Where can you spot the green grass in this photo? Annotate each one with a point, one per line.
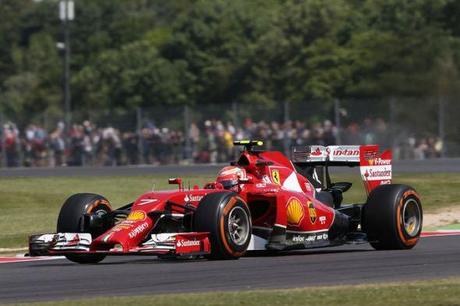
(31, 205)
(440, 292)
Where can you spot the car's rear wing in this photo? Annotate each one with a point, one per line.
(321, 155)
(375, 168)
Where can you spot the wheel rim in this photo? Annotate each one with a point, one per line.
(238, 225)
(411, 217)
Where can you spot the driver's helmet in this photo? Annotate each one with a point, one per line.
(230, 175)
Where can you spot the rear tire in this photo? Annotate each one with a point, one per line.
(393, 217)
(70, 220)
(227, 219)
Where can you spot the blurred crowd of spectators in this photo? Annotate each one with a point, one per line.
(209, 142)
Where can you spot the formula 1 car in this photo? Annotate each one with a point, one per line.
(263, 201)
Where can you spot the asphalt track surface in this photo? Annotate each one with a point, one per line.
(442, 165)
(432, 258)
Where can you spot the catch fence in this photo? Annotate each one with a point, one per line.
(414, 128)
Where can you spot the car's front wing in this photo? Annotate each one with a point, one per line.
(192, 243)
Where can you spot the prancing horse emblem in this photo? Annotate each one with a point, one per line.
(276, 177)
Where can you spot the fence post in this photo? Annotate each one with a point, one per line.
(338, 125)
(188, 144)
(140, 143)
(286, 142)
(442, 124)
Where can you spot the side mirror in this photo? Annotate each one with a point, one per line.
(175, 181)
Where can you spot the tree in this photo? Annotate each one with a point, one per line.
(302, 56)
(36, 85)
(135, 75)
(217, 40)
(396, 49)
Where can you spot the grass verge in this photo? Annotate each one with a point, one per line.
(31, 205)
(439, 292)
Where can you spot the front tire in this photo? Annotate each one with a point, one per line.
(71, 218)
(393, 217)
(227, 219)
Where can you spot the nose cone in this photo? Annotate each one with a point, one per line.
(128, 233)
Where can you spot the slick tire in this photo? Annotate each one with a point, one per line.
(393, 217)
(71, 218)
(227, 219)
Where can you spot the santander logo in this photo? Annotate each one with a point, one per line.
(188, 243)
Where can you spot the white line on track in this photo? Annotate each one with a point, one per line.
(27, 259)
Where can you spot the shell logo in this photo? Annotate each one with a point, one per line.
(137, 215)
(295, 211)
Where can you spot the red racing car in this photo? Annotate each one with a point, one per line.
(263, 201)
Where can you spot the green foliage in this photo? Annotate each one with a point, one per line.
(135, 75)
(397, 47)
(127, 54)
(36, 84)
(217, 39)
(301, 57)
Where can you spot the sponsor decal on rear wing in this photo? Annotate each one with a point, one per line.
(348, 155)
(375, 168)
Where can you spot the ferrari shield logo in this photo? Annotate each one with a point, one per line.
(276, 177)
(312, 212)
